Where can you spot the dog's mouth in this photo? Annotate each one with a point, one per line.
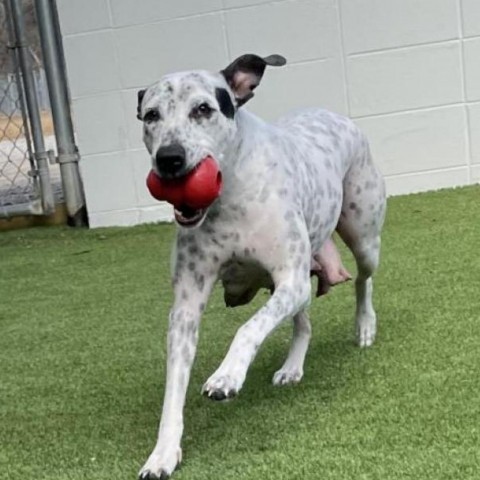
(192, 194)
(187, 216)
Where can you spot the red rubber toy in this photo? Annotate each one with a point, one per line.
(198, 189)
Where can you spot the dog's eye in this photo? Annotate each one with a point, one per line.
(204, 110)
(151, 116)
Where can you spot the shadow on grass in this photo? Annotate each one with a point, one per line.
(250, 416)
(335, 368)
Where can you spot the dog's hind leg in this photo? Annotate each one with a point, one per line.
(292, 370)
(360, 224)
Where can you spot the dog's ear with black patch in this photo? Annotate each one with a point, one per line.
(225, 102)
(245, 73)
(140, 95)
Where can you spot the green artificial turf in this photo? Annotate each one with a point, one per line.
(83, 318)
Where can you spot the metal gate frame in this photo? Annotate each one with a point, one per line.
(45, 205)
(68, 155)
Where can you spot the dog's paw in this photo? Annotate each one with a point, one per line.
(221, 387)
(161, 464)
(287, 376)
(366, 331)
(148, 475)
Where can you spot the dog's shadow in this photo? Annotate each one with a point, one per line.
(335, 368)
(327, 368)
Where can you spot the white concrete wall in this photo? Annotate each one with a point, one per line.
(408, 71)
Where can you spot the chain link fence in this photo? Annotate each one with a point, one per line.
(35, 117)
(17, 184)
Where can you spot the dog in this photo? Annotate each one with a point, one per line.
(287, 187)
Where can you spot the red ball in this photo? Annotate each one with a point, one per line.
(203, 185)
(161, 189)
(198, 189)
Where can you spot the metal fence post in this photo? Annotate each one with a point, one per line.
(68, 155)
(41, 156)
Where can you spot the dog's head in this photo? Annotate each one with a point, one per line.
(189, 116)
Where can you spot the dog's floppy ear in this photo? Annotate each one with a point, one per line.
(244, 74)
(140, 95)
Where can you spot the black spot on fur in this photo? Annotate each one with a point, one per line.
(140, 95)
(182, 241)
(225, 102)
(186, 353)
(200, 280)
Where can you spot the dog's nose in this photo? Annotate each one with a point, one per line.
(170, 159)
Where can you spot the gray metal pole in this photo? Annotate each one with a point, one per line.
(41, 156)
(68, 155)
(21, 98)
(22, 209)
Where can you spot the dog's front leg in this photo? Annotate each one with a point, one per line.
(292, 294)
(193, 281)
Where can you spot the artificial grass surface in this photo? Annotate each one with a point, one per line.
(83, 318)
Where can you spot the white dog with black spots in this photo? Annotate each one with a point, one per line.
(287, 187)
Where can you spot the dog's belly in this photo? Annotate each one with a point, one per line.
(242, 280)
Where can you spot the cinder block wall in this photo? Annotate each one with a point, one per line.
(408, 72)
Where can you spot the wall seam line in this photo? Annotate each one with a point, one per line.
(119, 91)
(468, 146)
(400, 48)
(225, 34)
(408, 111)
(343, 58)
